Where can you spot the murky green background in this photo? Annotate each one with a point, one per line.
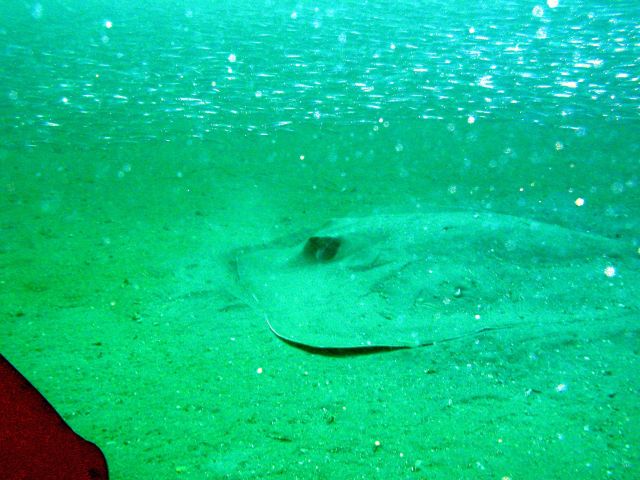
(139, 141)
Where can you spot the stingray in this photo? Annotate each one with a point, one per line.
(392, 282)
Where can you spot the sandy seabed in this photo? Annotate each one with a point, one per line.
(118, 302)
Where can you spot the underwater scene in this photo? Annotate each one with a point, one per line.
(323, 240)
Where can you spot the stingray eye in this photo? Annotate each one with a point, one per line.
(321, 249)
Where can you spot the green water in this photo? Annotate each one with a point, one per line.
(140, 142)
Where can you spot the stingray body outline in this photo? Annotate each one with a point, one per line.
(384, 283)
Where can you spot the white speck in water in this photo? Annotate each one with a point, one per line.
(485, 81)
(36, 11)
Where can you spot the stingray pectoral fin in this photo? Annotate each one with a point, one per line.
(339, 351)
(344, 351)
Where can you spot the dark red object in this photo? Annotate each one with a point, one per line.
(35, 442)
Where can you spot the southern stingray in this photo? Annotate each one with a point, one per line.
(390, 282)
